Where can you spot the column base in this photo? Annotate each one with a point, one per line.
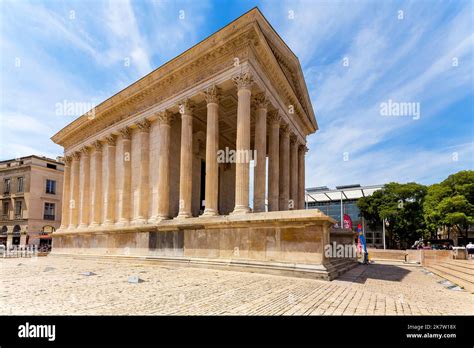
(71, 227)
(122, 223)
(139, 221)
(241, 209)
(157, 219)
(184, 215)
(209, 213)
(108, 224)
(82, 226)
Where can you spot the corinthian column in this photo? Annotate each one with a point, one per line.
(301, 177)
(74, 198)
(259, 181)
(293, 173)
(243, 82)
(143, 182)
(274, 161)
(109, 184)
(212, 146)
(284, 168)
(164, 120)
(96, 185)
(125, 177)
(84, 186)
(66, 193)
(186, 162)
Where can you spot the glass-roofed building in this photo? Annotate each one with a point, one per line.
(344, 199)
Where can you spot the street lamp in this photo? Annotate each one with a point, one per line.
(384, 223)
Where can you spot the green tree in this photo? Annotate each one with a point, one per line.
(401, 205)
(450, 203)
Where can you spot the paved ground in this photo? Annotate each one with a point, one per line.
(55, 285)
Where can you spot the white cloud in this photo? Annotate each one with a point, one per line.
(388, 59)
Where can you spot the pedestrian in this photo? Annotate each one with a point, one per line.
(470, 250)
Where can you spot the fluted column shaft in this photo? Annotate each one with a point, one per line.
(143, 138)
(109, 184)
(84, 186)
(186, 161)
(66, 193)
(284, 168)
(259, 181)
(96, 185)
(74, 198)
(274, 162)
(243, 82)
(126, 177)
(293, 173)
(164, 119)
(212, 146)
(301, 176)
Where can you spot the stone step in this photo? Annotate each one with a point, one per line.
(458, 268)
(337, 267)
(467, 284)
(461, 275)
(461, 264)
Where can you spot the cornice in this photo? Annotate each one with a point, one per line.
(208, 58)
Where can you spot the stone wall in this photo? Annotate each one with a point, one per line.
(278, 241)
(424, 257)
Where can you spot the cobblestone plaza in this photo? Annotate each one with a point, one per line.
(58, 286)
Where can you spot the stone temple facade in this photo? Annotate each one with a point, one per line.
(162, 168)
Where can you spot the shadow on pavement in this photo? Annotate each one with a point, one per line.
(361, 273)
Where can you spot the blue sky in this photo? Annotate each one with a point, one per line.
(355, 55)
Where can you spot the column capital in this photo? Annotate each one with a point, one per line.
(76, 155)
(143, 125)
(261, 101)
(274, 117)
(243, 80)
(67, 160)
(186, 107)
(125, 133)
(303, 148)
(97, 145)
(285, 128)
(85, 151)
(293, 139)
(165, 117)
(111, 140)
(212, 94)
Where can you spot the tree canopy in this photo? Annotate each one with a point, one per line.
(412, 210)
(451, 203)
(401, 206)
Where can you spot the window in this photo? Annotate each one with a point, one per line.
(6, 186)
(51, 186)
(6, 207)
(18, 208)
(49, 211)
(52, 166)
(20, 184)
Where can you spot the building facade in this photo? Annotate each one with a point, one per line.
(343, 200)
(162, 168)
(31, 199)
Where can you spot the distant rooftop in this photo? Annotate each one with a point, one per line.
(324, 194)
(44, 158)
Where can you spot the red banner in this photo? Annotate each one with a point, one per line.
(347, 222)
